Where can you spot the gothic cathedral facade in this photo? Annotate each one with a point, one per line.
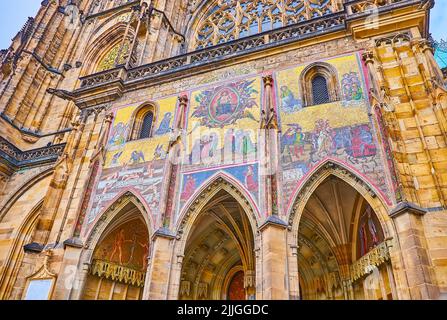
(223, 149)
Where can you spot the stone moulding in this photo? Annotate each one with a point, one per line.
(407, 207)
(299, 31)
(112, 10)
(217, 184)
(110, 85)
(18, 159)
(101, 77)
(330, 167)
(273, 221)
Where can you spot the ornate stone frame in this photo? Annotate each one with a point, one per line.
(111, 213)
(102, 44)
(137, 117)
(325, 70)
(338, 170)
(214, 185)
(198, 11)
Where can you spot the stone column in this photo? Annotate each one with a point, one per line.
(80, 281)
(428, 51)
(250, 284)
(274, 259)
(433, 79)
(293, 270)
(171, 168)
(157, 277)
(68, 281)
(416, 262)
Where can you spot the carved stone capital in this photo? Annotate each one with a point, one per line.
(250, 279)
(425, 45)
(368, 57)
(183, 101)
(268, 80)
(109, 118)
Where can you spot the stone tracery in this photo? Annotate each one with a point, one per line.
(233, 19)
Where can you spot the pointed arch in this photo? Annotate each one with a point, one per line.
(22, 189)
(364, 188)
(320, 198)
(113, 212)
(116, 252)
(219, 181)
(216, 231)
(129, 190)
(23, 206)
(101, 45)
(215, 22)
(14, 258)
(137, 120)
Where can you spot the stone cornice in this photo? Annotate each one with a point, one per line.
(17, 159)
(111, 84)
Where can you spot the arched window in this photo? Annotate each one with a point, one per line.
(143, 123)
(319, 84)
(117, 55)
(320, 92)
(146, 127)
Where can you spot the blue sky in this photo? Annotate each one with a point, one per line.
(13, 14)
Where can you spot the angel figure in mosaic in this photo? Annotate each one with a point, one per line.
(289, 103)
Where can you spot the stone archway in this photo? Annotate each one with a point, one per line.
(24, 205)
(14, 262)
(218, 246)
(118, 253)
(344, 239)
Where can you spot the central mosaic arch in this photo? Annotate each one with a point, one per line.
(218, 260)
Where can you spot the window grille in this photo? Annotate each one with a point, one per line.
(320, 92)
(146, 126)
